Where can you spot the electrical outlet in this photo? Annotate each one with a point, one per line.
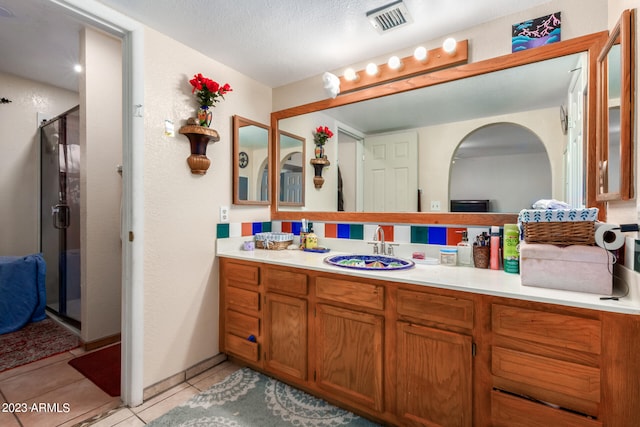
(224, 213)
(435, 205)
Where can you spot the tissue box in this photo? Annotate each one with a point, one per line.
(573, 268)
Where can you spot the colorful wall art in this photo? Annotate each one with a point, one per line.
(535, 32)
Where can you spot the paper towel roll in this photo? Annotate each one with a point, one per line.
(609, 236)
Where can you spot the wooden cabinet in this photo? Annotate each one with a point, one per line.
(240, 313)
(434, 372)
(285, 315)
(405, 354)
(434, 366)
(349, 355)
(349, 336)
(548, 362)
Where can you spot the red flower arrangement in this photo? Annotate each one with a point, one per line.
(208, 91)
(321, 135)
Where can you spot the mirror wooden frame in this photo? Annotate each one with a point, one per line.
(278, 163)
(591, 43)
(624, 34)
(239, 122)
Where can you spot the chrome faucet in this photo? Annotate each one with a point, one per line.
(378, 235)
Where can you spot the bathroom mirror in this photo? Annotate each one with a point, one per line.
(291, 152)
(616, 64)
(395, 96)
(251, 145)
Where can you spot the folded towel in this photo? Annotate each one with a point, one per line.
(550, 204)
(557, 215)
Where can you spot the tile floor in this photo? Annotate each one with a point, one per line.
(71, 400)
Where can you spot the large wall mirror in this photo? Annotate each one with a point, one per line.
(616, 64)
(450, 113)
(251, 147)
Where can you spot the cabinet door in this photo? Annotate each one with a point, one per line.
(434, 376)
(349, 354)
(285, 339)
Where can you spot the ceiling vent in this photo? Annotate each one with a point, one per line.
(388, 17)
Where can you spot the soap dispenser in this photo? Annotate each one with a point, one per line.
(465, 253)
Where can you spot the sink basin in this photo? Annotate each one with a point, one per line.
(369, 262)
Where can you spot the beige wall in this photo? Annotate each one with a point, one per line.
(19, 158)
(182, 209)
(100, 184)
(485, 41)
(436, 157)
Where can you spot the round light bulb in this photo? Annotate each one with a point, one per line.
(449, 45)
(420, 53)
(350, 75)
(372, 69)
(394, 63)
(77, 68)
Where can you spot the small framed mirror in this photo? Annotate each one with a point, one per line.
(251, 147)
(616, 64)
(291, 155)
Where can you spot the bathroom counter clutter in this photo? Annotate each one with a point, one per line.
(467, 279)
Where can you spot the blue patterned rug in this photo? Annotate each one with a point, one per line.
(249, 399)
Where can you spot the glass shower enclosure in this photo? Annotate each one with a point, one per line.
(60, 213)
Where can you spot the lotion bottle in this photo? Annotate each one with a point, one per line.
(465, 257)
(494, 248)
(510, 250)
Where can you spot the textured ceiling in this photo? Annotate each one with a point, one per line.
(275, 42)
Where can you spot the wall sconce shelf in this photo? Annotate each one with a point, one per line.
(199, 137)
(318, 165)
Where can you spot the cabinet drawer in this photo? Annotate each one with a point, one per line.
(241, 347)
(357, 293)
(436, 308)
(285, 281)
(242, 325)
(548, 376)
(560, 330)
(243, 300)
(236, 272)
(513, 411)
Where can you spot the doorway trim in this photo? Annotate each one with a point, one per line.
(99, 16)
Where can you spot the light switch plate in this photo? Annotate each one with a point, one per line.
(224, 213)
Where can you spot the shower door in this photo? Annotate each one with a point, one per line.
(60, 213)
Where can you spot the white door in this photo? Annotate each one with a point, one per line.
(574, 154)
(291, 184)
(391, 173)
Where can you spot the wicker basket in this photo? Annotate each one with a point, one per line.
(273, 241)
(268, 244)
(560, 233)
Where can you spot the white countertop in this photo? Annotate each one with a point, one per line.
(468, 279)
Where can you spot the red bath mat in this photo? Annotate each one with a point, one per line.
(102, 367)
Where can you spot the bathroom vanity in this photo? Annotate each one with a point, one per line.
(432, 345)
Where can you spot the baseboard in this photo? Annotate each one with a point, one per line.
(102, 342)
(180, 377)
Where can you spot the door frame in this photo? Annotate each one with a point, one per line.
(97, 15)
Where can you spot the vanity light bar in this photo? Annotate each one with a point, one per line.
(436, 59)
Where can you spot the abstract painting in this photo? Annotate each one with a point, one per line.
(535, 32)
